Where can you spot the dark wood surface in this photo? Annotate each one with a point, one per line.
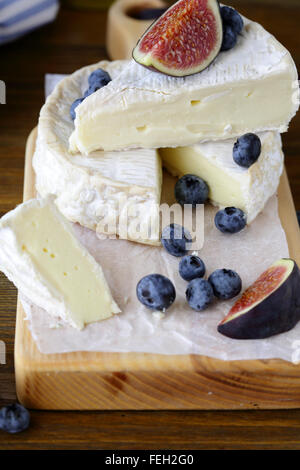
(74, 40)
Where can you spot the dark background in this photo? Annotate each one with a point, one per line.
(75, 39)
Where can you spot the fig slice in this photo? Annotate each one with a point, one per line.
(271, 305)
(184, 40)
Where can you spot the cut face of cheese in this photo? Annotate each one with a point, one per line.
(251, 88)
(112, 192)
(40, 254)
(229, 184)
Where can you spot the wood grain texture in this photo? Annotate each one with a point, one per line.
(72, 41)
(131, 381)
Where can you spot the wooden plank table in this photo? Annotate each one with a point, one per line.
(75, 39)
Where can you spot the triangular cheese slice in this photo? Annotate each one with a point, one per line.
(251, 88)
(40, 254)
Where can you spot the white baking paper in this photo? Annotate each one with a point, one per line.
(181, 330)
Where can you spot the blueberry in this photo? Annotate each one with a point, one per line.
(14, 418)
(246, 150)
(230, 220)
(147, 13)
(229, 38)
(199, 294)
(91, 89)
(232, 18)
(99, 77)
(190, 189)
(298, 217)
(74, 106)
(226, 283)
(176, 240)
(191, 267)
(156, 292)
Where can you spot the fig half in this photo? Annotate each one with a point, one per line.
(184, 40)
(268, 307)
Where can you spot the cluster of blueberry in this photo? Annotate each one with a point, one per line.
(157, 292)
(98, 79)
(246, 152)
(232, 27)
(14, 418)
(224, 284)
(192, 190)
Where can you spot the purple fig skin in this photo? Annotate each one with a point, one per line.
(153, 69)
(278, 313)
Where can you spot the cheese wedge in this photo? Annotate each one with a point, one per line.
(115, 193)
(251, 88)
(40, 254)
(229, 184)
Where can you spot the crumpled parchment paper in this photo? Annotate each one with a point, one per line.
(181, 330)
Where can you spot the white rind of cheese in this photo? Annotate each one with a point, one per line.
(104, 188)
(230, 184)
(251, 88)
(40, 254)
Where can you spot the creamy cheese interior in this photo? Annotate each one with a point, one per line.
(197, 115)
(223, 188)
(64, 265)
(230, 184)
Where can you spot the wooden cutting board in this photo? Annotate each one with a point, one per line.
(136, 381)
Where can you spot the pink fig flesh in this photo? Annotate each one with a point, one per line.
(270, 306)
(184, 40)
